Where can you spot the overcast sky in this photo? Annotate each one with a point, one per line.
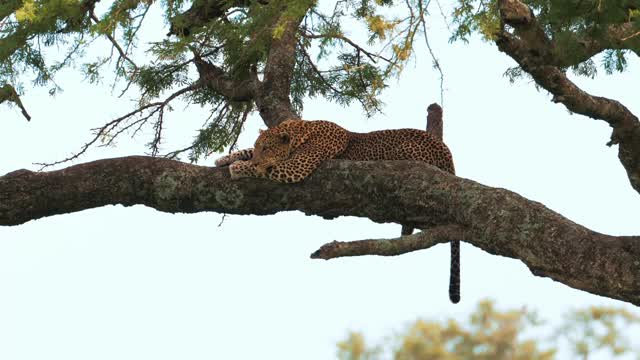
(135, 283)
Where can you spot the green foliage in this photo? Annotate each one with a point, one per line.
(471, 16)
(347, 52)
(594, 328)
(355, 79)
(571, 24)
(222, 128)
(38, 38)
(614, 60)
(493, 334)
(354, 348)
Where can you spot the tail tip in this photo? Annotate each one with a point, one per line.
(455, 298)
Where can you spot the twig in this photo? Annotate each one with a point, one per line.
(630, 36)
(122, 53)
(444, 17)
(319, 73)
(341, 37)
(174, 154)
(113, 124)
(237, 128)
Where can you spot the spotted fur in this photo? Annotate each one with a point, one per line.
(292, 150)
(295, 148)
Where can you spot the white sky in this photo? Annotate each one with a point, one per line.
(135, 283)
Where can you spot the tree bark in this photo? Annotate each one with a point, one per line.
(499, 221)
(273, 101)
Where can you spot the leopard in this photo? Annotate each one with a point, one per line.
(292, 150)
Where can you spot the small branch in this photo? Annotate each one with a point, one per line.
(391, 247)
(319, 74)
(173, 155)
(343, 38)
(113, 41)
(630, 36)
(108, 128)
(237, 128)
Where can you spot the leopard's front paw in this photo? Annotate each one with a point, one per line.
(245, 154)
(224, 161)
(241, 169)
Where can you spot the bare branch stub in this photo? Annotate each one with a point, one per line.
(391, 247)
(530, 47)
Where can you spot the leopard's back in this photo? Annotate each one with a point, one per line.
(399, 144)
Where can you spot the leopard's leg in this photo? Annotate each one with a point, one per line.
(242, 168)
(226, 160)
(302, 163)
(294, 169)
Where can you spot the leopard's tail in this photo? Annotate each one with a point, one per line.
(454, 276)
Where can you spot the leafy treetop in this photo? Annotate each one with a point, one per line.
(495, 334)
(269, 55)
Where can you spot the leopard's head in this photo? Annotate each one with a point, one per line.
(272, 147)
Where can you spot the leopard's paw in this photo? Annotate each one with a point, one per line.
(224, 161)
(245, 154)
(240, 169)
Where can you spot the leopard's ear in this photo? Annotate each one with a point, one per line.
(260, 131)
(284, 138)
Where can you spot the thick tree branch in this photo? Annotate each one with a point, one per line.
(202, 12)
(496, 220)
(533, 51)
(614, 36)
